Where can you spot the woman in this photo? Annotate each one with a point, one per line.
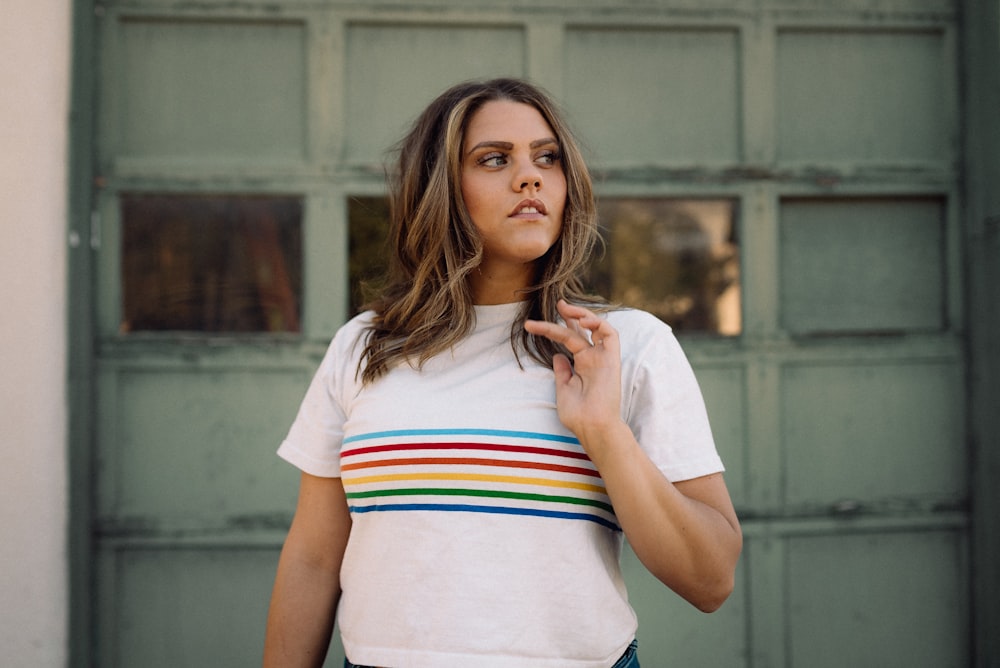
(474, 447)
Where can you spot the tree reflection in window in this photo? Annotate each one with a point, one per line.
(211, 263)
(676, 258)
(368, 223)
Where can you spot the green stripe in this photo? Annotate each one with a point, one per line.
(417, 491)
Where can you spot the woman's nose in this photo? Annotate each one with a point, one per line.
(527, 176)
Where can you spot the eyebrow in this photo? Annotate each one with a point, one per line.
(507, 146)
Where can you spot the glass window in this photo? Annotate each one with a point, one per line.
(676, 258)
(211, 263)
(368, 221)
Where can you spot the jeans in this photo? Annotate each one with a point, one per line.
(630, 659)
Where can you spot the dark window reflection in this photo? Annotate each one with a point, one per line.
(368, 221)
(676, 258)
(211, 263)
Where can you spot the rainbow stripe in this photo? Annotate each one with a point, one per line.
(474, 470)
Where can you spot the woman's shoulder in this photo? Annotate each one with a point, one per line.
(629, 320)
(643, 336)
(351, 332)
(359, 322)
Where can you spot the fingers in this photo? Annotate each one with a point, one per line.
(573, 341)
(595, 330)
(562, 369)
(583, 329)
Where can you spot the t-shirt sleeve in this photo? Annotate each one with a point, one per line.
(666, 409)
(314, 440)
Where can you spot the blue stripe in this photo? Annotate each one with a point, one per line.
(469, 508)
(462, 432)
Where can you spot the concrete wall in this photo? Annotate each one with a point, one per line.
(35, 44)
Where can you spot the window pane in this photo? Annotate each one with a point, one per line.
(676, 258)
(368, 220)
(211, 263)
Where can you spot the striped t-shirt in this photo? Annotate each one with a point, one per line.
(474, 470)
(482, 534)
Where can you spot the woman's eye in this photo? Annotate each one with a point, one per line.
(493, 160)
(548, 158)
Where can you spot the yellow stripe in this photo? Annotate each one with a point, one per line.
(545, 482)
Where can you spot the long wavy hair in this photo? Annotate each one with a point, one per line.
(424, 305)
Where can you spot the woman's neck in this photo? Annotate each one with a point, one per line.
(489, 288)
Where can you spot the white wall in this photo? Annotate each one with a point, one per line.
(35, 44)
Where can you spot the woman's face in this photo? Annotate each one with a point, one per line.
(514, 188)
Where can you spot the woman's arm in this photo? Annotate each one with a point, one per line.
(685, 533)
(307, 584)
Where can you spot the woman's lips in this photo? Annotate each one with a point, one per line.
(529, 207)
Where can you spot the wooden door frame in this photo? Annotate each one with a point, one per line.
(80, 318)
(981, 69)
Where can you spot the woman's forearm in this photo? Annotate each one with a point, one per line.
(686, 534)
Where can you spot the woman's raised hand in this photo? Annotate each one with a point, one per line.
(588, 390)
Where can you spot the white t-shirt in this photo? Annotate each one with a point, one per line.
(482, 534)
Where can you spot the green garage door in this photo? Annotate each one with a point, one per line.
(777, 180)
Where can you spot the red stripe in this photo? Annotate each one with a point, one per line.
(464, 446)
(470, 461)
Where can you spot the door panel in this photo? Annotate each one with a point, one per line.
(209, 90)
(867, 95)
(383, 96)
(887, 600)
(189, 606)
(665, 95)
(190, 447)
(870, 266)
(888, 430)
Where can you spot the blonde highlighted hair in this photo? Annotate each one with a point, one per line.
(424, 305)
